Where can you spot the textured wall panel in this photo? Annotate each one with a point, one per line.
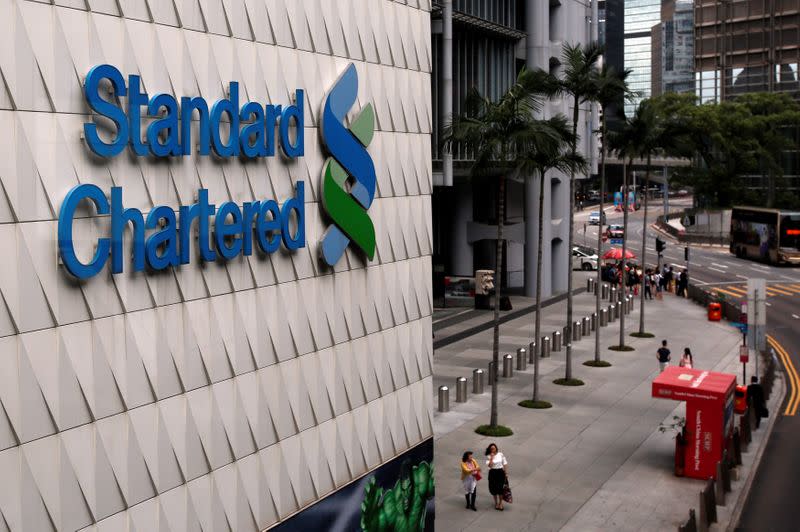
(224, 395)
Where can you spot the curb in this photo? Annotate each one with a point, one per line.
(736, 514)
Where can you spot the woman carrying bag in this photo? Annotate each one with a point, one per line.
(498, 475)
(470, 475)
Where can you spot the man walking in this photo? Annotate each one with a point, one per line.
(663, 356)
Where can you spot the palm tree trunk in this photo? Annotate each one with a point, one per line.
(600, 240)
(501, 206)
(624, 286)
(644, 246)
(537, 330)
(575, 116)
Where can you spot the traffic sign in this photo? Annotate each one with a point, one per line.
(616, 241)
(744, 354)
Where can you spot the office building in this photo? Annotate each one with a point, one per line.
(640, 17)
(746, 46)
(673, 48)
(483, 45)
(267, 366)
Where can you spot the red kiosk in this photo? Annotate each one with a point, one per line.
(709, 414)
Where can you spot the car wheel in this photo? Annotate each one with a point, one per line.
(586, 267)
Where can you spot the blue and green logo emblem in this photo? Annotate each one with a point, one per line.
(348, 183)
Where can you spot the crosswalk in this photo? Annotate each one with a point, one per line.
(739, 291)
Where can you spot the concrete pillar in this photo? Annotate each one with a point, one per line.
(461, 249)
(537, 24)
(446, 111)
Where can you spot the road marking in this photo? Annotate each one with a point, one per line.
(778, 290)
(737, 289)
(795, 316)
(718, 265)
(791, 373)
(734, 294)
(716, 269)
(758, 268)
(742, 277)
(767, 303)
(788, 278)
(790, 289)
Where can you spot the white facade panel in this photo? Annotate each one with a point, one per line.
(223, 394)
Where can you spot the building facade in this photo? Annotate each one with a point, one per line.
(746, 46)
(219, 375)
(489, 47)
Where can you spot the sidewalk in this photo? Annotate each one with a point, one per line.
(596, 460)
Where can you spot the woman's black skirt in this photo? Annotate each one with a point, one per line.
(497, 479)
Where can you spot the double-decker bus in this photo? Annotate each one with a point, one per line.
(769, 235)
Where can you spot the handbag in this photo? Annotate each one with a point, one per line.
(507, 497)
(478, 476)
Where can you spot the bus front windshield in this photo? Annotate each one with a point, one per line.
(790, 231)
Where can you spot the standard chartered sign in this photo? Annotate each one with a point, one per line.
(180, 127)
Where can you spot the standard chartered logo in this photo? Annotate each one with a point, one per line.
(348, 182)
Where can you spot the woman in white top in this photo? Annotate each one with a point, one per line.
(497, 464)
(686, 358)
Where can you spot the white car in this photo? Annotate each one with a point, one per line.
(584, 259)
(595, 218)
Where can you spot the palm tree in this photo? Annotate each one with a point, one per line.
(646, 137)
(626, 143)
(612, 90)
(495, 133)
(547, 152)
(580, 66)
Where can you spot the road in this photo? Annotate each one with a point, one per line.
(771, 504)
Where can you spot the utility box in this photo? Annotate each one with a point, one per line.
(709, 400)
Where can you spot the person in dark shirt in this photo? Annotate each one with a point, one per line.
(663, 356)
(755, 396)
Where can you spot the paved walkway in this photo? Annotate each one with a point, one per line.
(596, 461)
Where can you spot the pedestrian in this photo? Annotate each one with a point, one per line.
(658, 283)
(470, 475)
(664, 278)
(663, 356)
(683, 283)
(671, 279)
(686, 359)
(498, 474)
(648, 280)
(755, 396)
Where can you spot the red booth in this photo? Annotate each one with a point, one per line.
(709, 414)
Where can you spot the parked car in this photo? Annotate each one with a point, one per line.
(584, 258)
(595, 218)
(615, 231)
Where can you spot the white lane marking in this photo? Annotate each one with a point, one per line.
(718, 265)
(794, 280)
(742, 277)
(768, 303)
(759, 270)
(716, 269)
(795, 316)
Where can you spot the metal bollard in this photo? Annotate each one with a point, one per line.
(611, 316)
(586, 326)
(594, 321)
(444, 399)
(556, 341)
(477, 381)
(604, 291)
(576, 331)
(545, 347)
(508, 366)
(492, 372)
(613, 295)
(603, 317)
(590, 285)
(566, 333)
(522, 359)
(533, 350)
(461, 390)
